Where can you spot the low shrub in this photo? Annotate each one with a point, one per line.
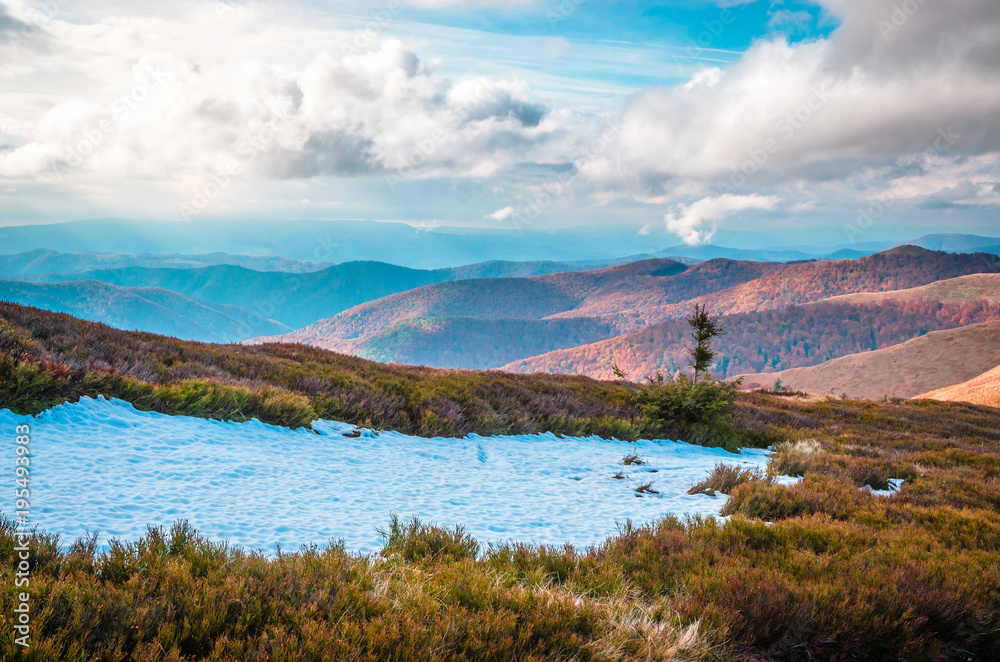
(725, 477)
(413, 541)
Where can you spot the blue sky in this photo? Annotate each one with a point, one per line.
(839, 120)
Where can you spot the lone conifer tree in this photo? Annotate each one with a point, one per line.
(705, 328)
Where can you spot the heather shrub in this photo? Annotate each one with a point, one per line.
(725, 477)
(415, 540)
(814, 495)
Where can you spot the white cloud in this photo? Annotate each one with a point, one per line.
(827, 122)
(789, 117)
(501, 214)
(696, 223)
(342, 111)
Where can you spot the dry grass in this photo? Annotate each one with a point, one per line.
(936, 360)
(981, 390)
(820, 570)
(725, 477)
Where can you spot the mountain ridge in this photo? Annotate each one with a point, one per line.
(155, 310)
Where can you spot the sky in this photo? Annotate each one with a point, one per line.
(836, 121)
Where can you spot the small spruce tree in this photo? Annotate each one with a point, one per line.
(706, 328)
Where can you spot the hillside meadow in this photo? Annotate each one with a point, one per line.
(48, 358)
(821, 570)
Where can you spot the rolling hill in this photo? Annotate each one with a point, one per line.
(299, 298)
(151, 309)
(624, 299)
(770, 340)
(921, 365)
(981, 390)
(551, 296)
(899, 268)
(474, 344)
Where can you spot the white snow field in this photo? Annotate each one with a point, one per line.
(103, 465)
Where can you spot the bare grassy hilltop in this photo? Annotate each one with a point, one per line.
(981, 390)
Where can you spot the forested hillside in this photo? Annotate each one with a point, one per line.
(619, 309)
(767, 341)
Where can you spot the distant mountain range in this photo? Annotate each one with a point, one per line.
(404, 245)
(43, 261)
(337, 241)
(152, 309)
(957, 243)
(638, 309)
(297, 299)
(786, 309)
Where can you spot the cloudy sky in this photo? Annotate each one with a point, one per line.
(839, 120)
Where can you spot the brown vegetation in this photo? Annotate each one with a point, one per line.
(821, 570)
(981, 390)
(929, 362)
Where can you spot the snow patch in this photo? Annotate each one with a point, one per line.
(894, 485)
(103, 465)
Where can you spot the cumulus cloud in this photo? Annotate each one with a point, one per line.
(788, 116)
(342, 112)
(834, 120)
(696, 223)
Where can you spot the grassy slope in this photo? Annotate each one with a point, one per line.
(974, 287)
(47, 358)
(838, 574)
(939, 359)
(150, 309)
(981, 390)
